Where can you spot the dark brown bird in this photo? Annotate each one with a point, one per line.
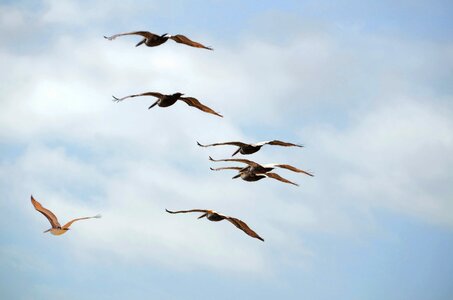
(251, 148)
(261, 169)
(56, 229)
(152, 40)
(248, 175)
(168, 100)
(216, 217)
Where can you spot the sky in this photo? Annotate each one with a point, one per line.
(365, 86)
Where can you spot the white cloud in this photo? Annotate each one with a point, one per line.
(85, 154)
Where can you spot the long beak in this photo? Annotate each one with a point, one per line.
(237, 176)
(141, 42)
(236, 152)
(47, 230)
(154, 104)
(202, 216)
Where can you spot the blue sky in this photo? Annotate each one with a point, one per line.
(365, 86)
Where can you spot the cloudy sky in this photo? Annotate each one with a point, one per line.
(366, 86)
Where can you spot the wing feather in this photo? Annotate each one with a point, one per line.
(244, 227)
(145, 34)
(179, 38)
(47, 213)
(239, 144)
(245, 161)
(186, 211)
(195, 103)
(154, 94)
(67, 225)
(277, 143)
(227, 168)
(279, 178)
(291, 168)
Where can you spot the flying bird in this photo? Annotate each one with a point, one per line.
(251, 148)
(261, 169)
(168, 100)
(216, 217)
(152, 40)
(248, 175)
(56, 229)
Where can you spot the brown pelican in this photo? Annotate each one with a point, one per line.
(152, 40)
(248, 175)
(168, 100)
(251, 148)
(215, 217)
(56, 229)
(261, 169)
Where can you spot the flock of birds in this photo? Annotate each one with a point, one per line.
(251, 172)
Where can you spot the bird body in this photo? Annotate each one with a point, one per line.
(169, 100)
(214, 216)
(152, 40)
(56, 229)
(247, 149)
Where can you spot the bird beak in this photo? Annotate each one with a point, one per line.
(47, 230)
(141, 42)
(202, 216)
(238, 175)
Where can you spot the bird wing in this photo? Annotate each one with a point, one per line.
(186, 211)
(179, 38)
(78, 219)
(154, 94)
(288, 167)
(245, 161)
(145, 34)
(47, 213)
(195, 103)
(279, 178)
(227, 168)
(277, 143)
(239, 144)
(244, 227)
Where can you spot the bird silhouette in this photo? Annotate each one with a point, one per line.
(152, 40)
(216, 217)
(56, 229)
(245, 148)
(168, 100)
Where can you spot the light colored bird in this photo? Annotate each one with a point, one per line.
(216, 217)
(251, 148)
(248, 175)
(56, 229)
(152, 40)
(168, 100)
(260, 169)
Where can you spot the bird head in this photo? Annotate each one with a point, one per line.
(178, 94)
(164, 35)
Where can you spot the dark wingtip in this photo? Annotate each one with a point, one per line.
(115, 99)
(169, 211)
(210, 158)
(199, 144)
(105, 37)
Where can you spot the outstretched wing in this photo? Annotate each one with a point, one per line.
(154, 94)
(277, 143)
(291, 168)
(47, 213)
(65, 226)
(279, 178)
(186, 211)
(195, 103)
(244, 227)
(245, 161)
(227, 168)
(145, 34)
(239, 144)
(179, 38)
